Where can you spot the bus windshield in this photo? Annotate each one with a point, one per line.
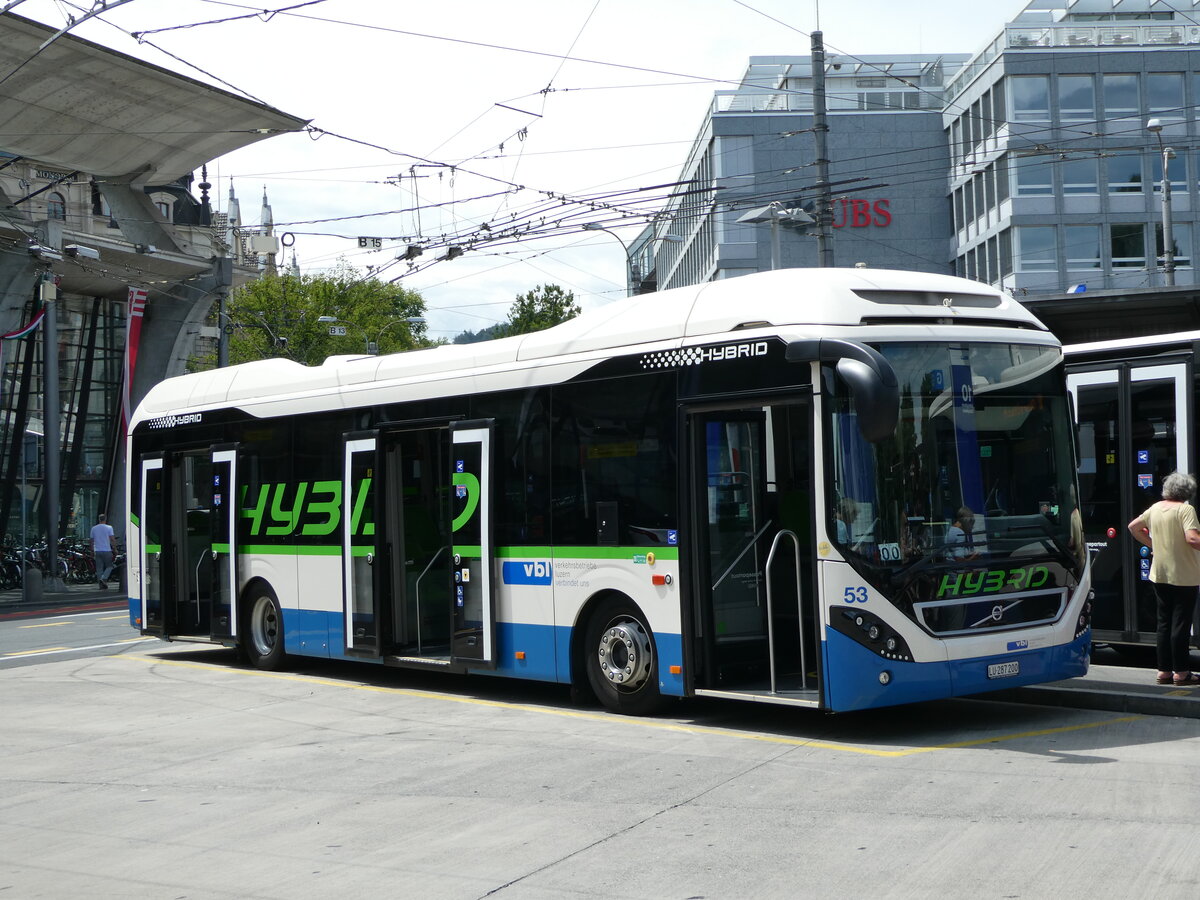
(980, 470)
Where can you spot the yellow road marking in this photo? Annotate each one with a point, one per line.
(32, 652)
(644, 723)
(112, 618)
(46, 625)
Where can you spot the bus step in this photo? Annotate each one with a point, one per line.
(439, 661)
(811, 698)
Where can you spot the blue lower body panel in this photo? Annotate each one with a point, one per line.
(853, 673)
(852, 677)
(1037, 667)
(546, 649)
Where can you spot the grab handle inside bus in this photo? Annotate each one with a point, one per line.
(870, 377)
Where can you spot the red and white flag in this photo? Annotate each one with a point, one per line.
(16, 334)
(133, 337)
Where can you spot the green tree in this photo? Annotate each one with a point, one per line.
(277, 316)
(543, 307)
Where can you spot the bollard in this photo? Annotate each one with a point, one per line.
(31, 586)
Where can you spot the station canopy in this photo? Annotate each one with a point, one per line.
(83, 107)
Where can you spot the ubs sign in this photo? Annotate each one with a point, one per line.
(855, 212)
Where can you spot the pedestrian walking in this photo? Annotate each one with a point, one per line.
(102, 549)
(1171, 529)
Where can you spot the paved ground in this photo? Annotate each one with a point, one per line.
(12, 602)
(170, 771)
(1111, 687)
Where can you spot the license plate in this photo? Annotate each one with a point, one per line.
(1004, 670)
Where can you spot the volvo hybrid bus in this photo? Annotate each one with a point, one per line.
(832, 488)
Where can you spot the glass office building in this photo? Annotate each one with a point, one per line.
(1027, 165)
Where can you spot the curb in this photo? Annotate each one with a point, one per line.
(1105, 698)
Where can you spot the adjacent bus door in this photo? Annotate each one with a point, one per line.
(755, 605)
(359, 546)
(1134, 426)
(187, 553)
(417, 544)
(416, 522)
(474, 602)
(151, 547)
(224, 543)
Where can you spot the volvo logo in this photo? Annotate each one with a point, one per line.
(997, 613)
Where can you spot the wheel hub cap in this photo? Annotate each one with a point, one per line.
(624, 654)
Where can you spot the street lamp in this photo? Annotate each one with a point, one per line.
(631, 273)
(1168, 154)
(775, 213)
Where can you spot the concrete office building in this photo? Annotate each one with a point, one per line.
(888, 158)
(1027, 165)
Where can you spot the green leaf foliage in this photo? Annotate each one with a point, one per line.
(277, 316)
(544, 307)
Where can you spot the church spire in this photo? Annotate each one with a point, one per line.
(235, 217)
(267, 221)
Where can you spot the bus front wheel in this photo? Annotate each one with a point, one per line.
(263, 634)
(619, 658)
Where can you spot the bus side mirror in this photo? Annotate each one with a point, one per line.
(869, 376)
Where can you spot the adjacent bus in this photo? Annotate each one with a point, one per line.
(837, 488)
(1135, 402)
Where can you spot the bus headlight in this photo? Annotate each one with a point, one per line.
(885, 677)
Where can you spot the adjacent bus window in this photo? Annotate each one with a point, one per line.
(615, 464)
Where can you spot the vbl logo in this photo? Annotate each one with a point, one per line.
(537, 572)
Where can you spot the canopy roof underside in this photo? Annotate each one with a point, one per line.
(83, 107)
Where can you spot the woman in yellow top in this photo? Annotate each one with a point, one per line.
(1172, 530)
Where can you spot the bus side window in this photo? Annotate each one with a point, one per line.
(613, 442)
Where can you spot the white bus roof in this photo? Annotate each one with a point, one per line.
(1140, 342)
(679, 317)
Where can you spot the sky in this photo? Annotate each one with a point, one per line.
(437, 119)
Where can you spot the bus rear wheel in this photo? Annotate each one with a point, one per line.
(263, 629)
(621, 665)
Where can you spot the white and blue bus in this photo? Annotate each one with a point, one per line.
(838, 488)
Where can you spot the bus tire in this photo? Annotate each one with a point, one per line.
(619, 658)
(262, 635)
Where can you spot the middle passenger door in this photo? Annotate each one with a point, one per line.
(416, 518)
(418, 555)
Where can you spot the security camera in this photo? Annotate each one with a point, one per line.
(75, 251)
